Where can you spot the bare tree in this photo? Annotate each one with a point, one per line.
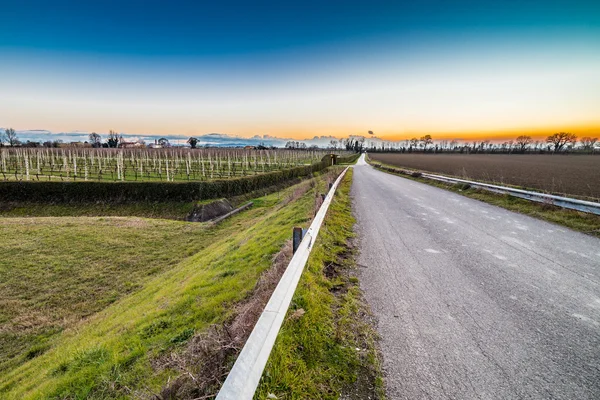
(113, 139)
(588, 143)
(414, 142)
(426, 140)
(333, 144)
(560, 139)
(164, 142)
(523, 141)
(95, 139)
(192, 142)
(11, 137)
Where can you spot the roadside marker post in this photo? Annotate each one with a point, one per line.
(296, 239)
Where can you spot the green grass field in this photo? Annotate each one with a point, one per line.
(57, 271)
(89, 303)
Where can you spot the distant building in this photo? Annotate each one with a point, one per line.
(155, 145)
(131, 145)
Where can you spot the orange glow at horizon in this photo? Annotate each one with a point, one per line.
(592, 130)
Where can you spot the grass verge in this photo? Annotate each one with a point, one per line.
(573, 219)
(326, 348)
(112, 352)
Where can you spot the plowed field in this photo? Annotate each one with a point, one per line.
(563, 174)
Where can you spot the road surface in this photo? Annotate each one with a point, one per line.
(473, 301)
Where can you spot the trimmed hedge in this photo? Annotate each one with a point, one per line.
(348, 159)
(90, 191)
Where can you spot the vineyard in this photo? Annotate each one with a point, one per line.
(169, 165)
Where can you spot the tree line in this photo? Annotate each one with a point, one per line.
(555, 143)
(560, 142)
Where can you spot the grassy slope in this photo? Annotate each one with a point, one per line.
(109, 354)
(576, 220)
(330, 349)
(56, 271)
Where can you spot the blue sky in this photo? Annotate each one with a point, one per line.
(299, 69)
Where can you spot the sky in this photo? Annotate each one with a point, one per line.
(452, 69)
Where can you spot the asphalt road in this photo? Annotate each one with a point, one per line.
(473, 301)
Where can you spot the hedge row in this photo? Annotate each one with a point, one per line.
(91, 191)
(348, 159)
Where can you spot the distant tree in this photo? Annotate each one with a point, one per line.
(560, 139)
(414, 142)
(2, 138)
(359, 145)
(95, 139)
(164, 142)
(348, 144)
(11, 137)
(588, 143)
(192, 142)
(294, 145)
(113, 139)
(333, 144)
(523, 141)
(426, 140)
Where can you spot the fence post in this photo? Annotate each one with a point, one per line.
(296, 238)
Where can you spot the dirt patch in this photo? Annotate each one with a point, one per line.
(128, 222)
(204, 363)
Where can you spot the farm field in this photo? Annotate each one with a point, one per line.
(90, 305)
(144, 165)
(575, 175)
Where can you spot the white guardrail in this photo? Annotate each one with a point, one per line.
(244, 377)
(565, 202)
